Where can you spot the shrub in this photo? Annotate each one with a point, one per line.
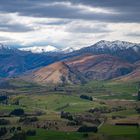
(86, 97)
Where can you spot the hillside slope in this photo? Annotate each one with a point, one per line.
(134, 76)
(58, 72)
(100, 67)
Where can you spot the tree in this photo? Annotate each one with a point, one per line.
(139, 95)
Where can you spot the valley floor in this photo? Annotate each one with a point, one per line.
(108, 111)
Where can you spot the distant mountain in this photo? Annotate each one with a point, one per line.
(14, 62)
(40, 49)
(101, 61)
(58, 72)
(47, 49)
(125, 50)
(116, 45)
(67, 50)
(100, 67)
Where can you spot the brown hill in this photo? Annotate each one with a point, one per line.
(58, 72)
(134, 76)
(100, 67)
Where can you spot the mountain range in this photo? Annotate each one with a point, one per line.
(46, 49)
(104, 60)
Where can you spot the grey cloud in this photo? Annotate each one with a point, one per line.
(133, 34)
(89, 29)
(7, 26)
(15, 28)
(128, 10)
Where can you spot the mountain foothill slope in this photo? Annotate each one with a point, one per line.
(80, 69)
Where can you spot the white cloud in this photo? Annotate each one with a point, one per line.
(65, 32)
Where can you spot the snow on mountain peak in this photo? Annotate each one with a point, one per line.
(3, 46)
(114, 45)
(40, 49)
(67, 50)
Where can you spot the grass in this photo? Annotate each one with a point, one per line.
(111, 90)
(128, 112)
(131, 132)
(56, 135)
(55, 102)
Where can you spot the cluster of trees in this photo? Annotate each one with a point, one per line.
(17, 112)
(86, 97)
(3, 131)
(66, 115)
(88, 129)
(15, 129)
(4, 122)
(17, 133)
(3, 97)
(19, 136)
(28, 120)
(107, 110)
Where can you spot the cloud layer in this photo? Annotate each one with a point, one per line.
(73, 23)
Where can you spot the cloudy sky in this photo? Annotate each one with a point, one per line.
(68, 23)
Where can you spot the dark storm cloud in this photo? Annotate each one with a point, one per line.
(126, 10)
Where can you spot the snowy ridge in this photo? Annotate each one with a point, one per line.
(40, 49)
(68, 50)
(101, 45)
(115, 45)
(49, 48)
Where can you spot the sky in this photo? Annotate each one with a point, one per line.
(68, 23)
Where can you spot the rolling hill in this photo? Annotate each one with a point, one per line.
(58, 72)
(101, 67)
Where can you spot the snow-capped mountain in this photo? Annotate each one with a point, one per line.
(49, 48)
(116, 45)
(67, 50)
(15, 61)
(40, 49)
(2, 46)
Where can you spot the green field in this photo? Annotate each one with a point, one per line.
(55, 135)
(106, 96)
(122, 132)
